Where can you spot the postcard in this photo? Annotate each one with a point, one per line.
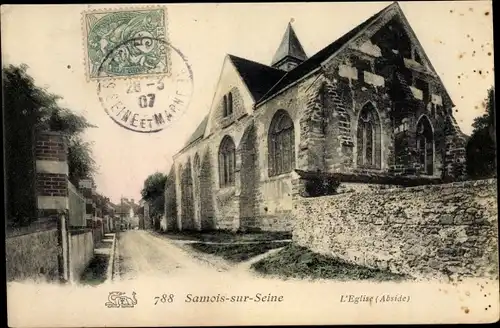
(250, 164)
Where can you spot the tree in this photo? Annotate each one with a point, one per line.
(29, 109)
(101, 203)
(481, 147)
(154, 193)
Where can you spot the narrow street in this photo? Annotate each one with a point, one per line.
(144, 253)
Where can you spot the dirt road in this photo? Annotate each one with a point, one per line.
(143, 253)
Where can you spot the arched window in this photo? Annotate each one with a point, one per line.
(368, 138)
(425, 145)
(224, 104)
(227, 162)
(281, 144)
(228, 104)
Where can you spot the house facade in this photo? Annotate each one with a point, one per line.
(368, 104)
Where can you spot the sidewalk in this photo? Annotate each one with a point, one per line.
(101, 267)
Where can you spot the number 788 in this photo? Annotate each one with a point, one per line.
(164, 298)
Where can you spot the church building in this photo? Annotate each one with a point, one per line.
(368, 105)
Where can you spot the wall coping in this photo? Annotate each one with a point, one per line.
(381, 178)
(468, 183)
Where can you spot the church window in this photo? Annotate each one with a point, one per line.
(281, 143)
(425, 145)
(227, 162)
(368, 138)
(228, 104)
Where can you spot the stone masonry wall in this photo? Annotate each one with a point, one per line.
(31, 255)
(426, 231)
(82, 252)
(274, 194)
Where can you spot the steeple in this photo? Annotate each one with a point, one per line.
(290, 52)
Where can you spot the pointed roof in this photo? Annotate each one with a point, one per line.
(199, 132)
(259, 78)
(290, 47)
(315, 61)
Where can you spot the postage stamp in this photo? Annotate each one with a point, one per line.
(126, 42)
(147, 104)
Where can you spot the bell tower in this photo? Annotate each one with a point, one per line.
(290, 52)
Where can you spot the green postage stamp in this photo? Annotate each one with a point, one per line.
(126, 42)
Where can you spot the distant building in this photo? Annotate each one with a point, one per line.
(128, 210)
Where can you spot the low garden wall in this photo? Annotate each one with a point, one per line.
(32, 255)
(81, 252)
(425, 231)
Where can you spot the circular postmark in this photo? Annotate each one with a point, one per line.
(147, 103)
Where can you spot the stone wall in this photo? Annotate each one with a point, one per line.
(81, 252)
(33, 255)
(273, 194)
(425, 231)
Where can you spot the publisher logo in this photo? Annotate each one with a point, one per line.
(118, 299)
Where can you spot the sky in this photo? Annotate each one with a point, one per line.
(457, 36)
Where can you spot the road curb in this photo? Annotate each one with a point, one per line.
(116, 261)
(110, 273)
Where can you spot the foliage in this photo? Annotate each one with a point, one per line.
(238, 252)
(481, 147)
(295, 261)
(29, 109)
(80, 161)
(101, 204)
(487, 119)
(154, 193)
